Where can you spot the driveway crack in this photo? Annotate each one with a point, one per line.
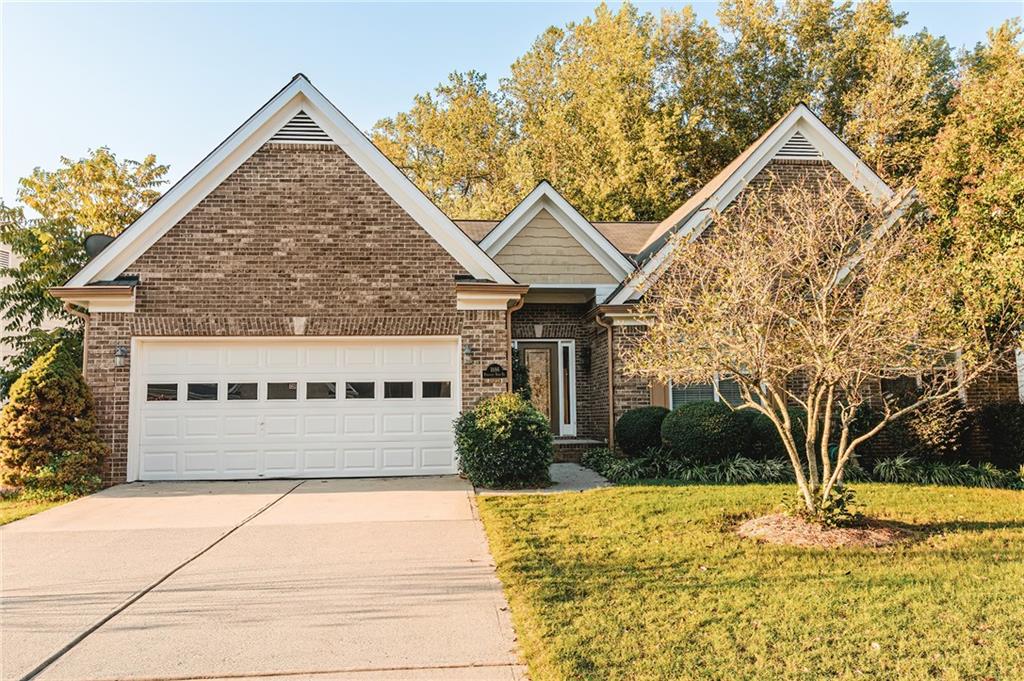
(70, 645)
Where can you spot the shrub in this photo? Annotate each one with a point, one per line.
(598, 459)
(639, 430)
(504, 442)
(936, 431)
(764, 441)
(1003, 428)
(48, 439)
(703, 431)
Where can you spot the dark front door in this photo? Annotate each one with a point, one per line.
(541, 362)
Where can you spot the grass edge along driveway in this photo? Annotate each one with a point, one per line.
(16, 507)
(650, 582)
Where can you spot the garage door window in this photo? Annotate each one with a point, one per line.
(437, 389)
(198, 392)
(359, 390)
(243, 391)
(321, 391)
(398, 390)
(282, 391)
(161, 392)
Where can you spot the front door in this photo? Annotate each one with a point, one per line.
(541, 362)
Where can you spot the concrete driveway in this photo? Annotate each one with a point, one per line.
(332, 579)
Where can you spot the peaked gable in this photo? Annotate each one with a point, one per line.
(544, 252)
(799, 135)
(561, 218)
(285, 114)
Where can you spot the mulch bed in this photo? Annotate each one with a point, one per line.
(788, 530)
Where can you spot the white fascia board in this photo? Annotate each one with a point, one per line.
(546, 197)
(801, 118)
(299, 95)
(484, 300)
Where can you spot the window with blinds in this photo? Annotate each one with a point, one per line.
(5, 258)
(722, 390)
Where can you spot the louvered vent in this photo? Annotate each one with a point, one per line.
(798, 146)
(5, 258)
(302, 130)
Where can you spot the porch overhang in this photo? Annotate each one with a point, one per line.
(481, 295)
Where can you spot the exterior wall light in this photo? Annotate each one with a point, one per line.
(120, 355)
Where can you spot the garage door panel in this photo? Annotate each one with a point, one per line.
(201, 461)
(157, 427)
(438, 457)
(314, 431)
(398, 424)
(241, 426)
(436, 424)
(281, 425)
(357, 459)
(358, 424)
(202, 426)
(239, 461)
(320, 424)
(398, 457)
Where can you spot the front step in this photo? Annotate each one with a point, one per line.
(571, 449)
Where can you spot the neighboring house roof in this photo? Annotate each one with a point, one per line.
(628, 237)
(292, 115)
(797, 135)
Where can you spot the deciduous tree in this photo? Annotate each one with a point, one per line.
(809, 295)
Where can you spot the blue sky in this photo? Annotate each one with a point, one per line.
(174, 79)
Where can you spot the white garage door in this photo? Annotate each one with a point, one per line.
(262, 409)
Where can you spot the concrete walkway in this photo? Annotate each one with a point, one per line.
(339, 579)
(567, 477)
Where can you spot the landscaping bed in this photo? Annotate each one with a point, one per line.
(654, 582)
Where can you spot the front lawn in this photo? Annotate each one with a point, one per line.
(651, 583)
(16, 508)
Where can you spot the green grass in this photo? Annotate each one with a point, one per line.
(16, 508)
(651, 583)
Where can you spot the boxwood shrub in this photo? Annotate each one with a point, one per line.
(504, 442)
(1002, 426)
(704, 431)
(639, 430)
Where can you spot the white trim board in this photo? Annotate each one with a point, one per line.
(801, 119)
(545, 197)
(298, 95)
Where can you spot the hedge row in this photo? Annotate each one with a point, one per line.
(711, 432)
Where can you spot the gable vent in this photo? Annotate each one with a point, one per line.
(798, 146)
(302, 130)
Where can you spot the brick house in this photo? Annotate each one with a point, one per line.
(296, 307)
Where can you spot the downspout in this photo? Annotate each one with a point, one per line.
(70, 309)
(508, 329)
(611, 383)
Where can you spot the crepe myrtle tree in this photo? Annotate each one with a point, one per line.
(809, 294)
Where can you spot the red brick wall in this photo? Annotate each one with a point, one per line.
(298, 231)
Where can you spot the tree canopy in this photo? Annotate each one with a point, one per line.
(97, 194)
(627, 113)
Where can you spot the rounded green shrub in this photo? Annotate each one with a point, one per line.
(703, 431)
(764, 441)
(639, 430)
(48, 438)
(504, 442)
(1002, 427)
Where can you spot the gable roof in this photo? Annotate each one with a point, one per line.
(628, 237)
(798, 134)
(544, 197)
(296, 98)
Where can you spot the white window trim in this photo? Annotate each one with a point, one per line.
(1020, 374)
(564, 429)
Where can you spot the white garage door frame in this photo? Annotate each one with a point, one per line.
(137, 387)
